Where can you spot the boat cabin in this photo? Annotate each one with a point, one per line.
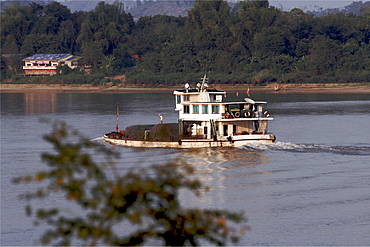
(205, 120)
(204, 115)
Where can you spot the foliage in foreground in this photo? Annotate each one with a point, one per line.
(120, 209)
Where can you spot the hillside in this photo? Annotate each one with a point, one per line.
(173, 8)
(355, 8)
(151, 8)
(251, 43)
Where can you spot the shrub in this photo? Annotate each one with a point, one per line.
(121, 209)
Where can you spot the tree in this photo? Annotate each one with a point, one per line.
(16, 21)
(271, 41)
(106, 26)
(324, 53)
(146, 201)
(50, 19)
(41, 44)
(256, 15)
(67, 35)
(341, 27)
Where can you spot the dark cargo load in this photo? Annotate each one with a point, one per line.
(137, 131)
(158, 132)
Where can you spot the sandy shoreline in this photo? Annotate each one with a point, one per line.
(350, 88)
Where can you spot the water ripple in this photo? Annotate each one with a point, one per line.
(360, 149)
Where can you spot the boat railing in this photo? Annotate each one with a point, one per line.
(236, 115)
(245, 114)
(195, 137)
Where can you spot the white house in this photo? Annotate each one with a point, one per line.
(46, 64)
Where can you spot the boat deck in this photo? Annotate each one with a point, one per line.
(236, 141)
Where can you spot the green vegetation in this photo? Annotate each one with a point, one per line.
(250, 43)
(134, 208)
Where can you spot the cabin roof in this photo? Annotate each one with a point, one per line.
(244, 102)
(222, 103)
(194, 90)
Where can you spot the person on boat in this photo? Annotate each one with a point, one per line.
(227, 112)
(189, 129)
(256, 122)
(161, 118)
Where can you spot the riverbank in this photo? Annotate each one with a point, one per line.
(348, 88)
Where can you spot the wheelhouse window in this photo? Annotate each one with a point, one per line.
(216, 98)
(195, 109)
(215, 109)
(186, 97)
(178, 99)
(186, 109)
(205, 109)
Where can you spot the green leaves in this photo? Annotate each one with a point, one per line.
(120, 209)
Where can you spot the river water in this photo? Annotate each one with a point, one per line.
(310, 187)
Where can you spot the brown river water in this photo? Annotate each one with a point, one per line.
(310, 187)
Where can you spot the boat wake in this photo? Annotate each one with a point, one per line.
(360, 149)
(98, 139)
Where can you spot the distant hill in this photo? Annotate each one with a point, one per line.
(354, 7)
(172, 7)
(136, 8)
(83, 5)
(140, 8)
(151, 8)
(14, 2)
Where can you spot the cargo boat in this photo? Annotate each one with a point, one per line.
(205, 120)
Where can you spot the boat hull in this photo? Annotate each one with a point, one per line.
(235, 141)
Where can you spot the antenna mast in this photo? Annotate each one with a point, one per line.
(117, 114)
(204, 84)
